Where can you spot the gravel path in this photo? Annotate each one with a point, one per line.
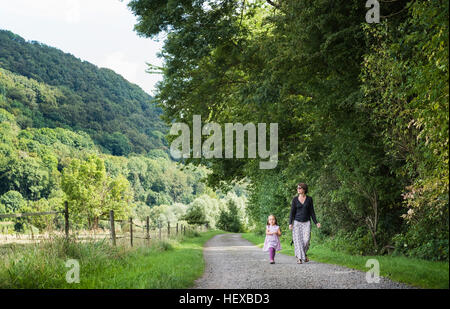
(234, 263)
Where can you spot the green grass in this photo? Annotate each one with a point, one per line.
(416, 272)
(172, 264)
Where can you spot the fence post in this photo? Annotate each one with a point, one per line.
(185, 230)
(168, 229)
(148, 228)
(131, 231)
(159, 226)
(176, 231)
(66, 219)
(113, 230)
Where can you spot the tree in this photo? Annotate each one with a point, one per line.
(13, 202)
(195, 216)
(362, 109)
(91, 193)
(229, 219)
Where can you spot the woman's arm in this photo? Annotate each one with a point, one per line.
(313, 214)
(293, 211)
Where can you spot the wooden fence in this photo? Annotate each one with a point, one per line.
(135, 231)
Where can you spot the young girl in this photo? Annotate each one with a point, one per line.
(272, 242)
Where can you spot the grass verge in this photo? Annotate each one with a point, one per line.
(415, 272)
(170, 264)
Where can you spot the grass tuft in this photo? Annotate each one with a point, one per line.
(173, 263)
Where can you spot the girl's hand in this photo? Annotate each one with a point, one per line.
(290, 226)
(318, 225)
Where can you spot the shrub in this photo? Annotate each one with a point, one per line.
(195, 216)
(229, 220)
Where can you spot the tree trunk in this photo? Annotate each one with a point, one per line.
(95, 224)
(373, 224)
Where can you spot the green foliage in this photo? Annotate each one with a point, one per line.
(91, 193)
(406, 87)
(48, 166)
(362, 108)
(65, 131)
(45, 87)
(229, 219)
(48, 222)
(12, 202)
(195, 216)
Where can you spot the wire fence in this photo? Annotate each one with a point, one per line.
(131, 231)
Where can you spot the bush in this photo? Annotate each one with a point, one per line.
(358, 242)
(418, 244)
(229, 220)
(195, 216)
(260, 230)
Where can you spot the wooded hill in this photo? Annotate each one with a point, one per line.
(70, 131)
(45, 87)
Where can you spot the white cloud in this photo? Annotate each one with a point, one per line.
(118, 62)
(72, 11)
(98, 31)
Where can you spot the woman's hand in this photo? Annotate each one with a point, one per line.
(318, 225)
(290, 226)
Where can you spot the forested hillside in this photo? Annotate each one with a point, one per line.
(45, 87)
(40, 168)
(70, 131)
(362, 108)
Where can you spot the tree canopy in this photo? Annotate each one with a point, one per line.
(362, 108)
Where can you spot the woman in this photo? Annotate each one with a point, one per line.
(302, 209)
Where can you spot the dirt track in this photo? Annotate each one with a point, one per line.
(234, 263)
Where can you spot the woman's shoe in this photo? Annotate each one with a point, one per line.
(306, 260)
(299, 261)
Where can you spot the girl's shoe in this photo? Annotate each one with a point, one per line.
(272, 262)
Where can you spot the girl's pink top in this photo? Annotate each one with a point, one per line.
(272, 241)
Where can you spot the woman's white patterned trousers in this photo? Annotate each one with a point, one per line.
(301, 233)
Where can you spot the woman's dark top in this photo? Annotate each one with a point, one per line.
(302, 212)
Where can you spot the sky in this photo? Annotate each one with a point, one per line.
(98, 31)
